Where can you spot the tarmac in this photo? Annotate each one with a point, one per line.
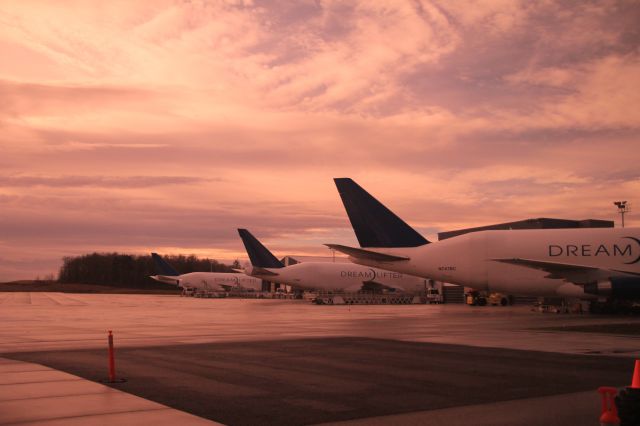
(581, 408)
(246, 361)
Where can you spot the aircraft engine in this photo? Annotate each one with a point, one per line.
(616, 287)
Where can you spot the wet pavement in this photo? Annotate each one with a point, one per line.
(246, 361)
(45, 321)
(307, 381)
(580, 409)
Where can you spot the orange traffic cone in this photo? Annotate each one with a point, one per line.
(635, 380)
(609, 414)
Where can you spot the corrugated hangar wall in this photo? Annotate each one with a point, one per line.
(452, 293)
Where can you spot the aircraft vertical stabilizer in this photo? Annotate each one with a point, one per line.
(163, 267)
(259, 255)
(374, 224)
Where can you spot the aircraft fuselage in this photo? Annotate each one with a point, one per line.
(341, 276)
(212, 281)
(470, 259)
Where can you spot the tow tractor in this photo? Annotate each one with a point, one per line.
(434, 296)
(475, 298)
(480, 298)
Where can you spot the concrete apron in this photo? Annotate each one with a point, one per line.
(32, 394)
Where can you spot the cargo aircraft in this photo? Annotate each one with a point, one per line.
(582, 263)
(203, 281)
(326, 276)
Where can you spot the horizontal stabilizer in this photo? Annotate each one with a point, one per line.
(374, 224)
(167, 279)
(256, 270)
(359, 253)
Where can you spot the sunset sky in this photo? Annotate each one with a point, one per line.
(137, 126)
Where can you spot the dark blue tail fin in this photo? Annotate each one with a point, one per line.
(374, 224)
(260, 256)
(163, 267)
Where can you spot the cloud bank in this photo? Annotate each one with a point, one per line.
(165, 125)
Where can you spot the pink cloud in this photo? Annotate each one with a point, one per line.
(166, 125)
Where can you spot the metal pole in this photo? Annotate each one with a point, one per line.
(112, 363)
(623, 207)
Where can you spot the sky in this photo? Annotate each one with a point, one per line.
(165, 125)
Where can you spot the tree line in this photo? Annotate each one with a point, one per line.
(127, 270)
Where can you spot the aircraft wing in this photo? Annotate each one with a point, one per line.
(359, 253)
(578, 274)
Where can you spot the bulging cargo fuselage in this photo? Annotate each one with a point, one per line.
(340, 277)
(473, 259)
(211, 281)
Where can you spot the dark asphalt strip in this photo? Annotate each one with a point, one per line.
(296, 382)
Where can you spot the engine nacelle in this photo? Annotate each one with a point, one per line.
(616, 288)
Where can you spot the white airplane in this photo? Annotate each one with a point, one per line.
(324, 275)
(584, 262)
(203, 281)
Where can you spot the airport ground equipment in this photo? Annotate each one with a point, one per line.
(209, 294)
(188, 292)
(475, 298)
(608, 306)
(368, 298)
(481, 298)
(433, 296)
(244, 294)
(496, 299)
(628, 400)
